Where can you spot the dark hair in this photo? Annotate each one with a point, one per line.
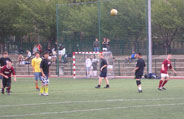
(37, 53)
(139, 54)
(46, 52)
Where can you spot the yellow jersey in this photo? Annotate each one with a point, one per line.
(36, 64)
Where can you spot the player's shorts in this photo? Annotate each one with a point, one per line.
(1, 77)
(88, 69)
(6, 82)
(45, 80)
(50, 57)
(164, 75)
(103, 74)
(37, 76)
(138, 76)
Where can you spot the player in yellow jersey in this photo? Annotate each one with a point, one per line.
(36, 68)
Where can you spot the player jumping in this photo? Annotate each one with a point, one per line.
(164, 74)
(6, 72)
(44, 66)
(139, 70)
(103, 72)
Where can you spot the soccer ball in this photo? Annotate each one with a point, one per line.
(114, 12)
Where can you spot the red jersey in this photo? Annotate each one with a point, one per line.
(167, 65)
(8, 71)
(39, 47)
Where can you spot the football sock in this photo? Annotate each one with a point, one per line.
(160, 84)
(42, 90)
(37, 86)
(164, 83)
(140, 88)
(2, 90)
(8, 89)
(46, 89)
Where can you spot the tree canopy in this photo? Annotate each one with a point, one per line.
(24, 17)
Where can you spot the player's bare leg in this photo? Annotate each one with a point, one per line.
(162, 82)
(138, 82)
(107, 82)
(36, 85)
(99, 82)
(165, 81)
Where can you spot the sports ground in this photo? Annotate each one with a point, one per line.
(78, 99)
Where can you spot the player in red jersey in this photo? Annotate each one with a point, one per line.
(164, 74)
(6, 72)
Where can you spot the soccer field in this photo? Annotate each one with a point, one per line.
(78, 99)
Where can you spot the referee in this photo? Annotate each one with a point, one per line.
(139, 70)
(103, 72)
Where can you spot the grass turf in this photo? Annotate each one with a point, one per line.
(78, 99)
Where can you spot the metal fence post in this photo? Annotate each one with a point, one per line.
(119, 67)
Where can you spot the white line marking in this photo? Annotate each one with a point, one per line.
(90, 110)
(90, 101)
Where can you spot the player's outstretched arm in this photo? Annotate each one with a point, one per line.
(174, 70)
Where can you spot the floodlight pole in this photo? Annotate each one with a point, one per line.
(58, 36)
(149, 38)
(99, 24)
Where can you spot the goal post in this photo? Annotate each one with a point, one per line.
(86, 64)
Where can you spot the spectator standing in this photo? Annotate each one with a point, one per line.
(88, 66)
(96, 45)
(104, 45)
(94, 66)
(108, 44)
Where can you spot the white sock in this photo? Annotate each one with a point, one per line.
(140, 88)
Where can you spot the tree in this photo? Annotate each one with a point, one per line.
(167, 20)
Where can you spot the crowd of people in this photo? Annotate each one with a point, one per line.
(38, 49)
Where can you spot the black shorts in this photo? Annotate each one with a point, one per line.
(6, 82)
(137, 76)
(103, 74)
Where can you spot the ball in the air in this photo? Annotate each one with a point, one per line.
(114, 12)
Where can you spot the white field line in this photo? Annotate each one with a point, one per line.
(91, 110)
(90, 101)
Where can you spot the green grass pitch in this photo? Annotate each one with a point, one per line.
(78, 99)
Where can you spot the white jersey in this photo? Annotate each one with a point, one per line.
(88, 62)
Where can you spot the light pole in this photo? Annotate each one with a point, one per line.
(149, 38)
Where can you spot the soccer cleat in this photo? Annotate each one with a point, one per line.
(139, 91)
(107, 86)
(38, 89)
(46, 94)
(2, 91)
(160, 89)
(97, 86)
(41, 94)
(164, 88)
(9, 93)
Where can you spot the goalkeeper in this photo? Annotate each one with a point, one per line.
(44, 66)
